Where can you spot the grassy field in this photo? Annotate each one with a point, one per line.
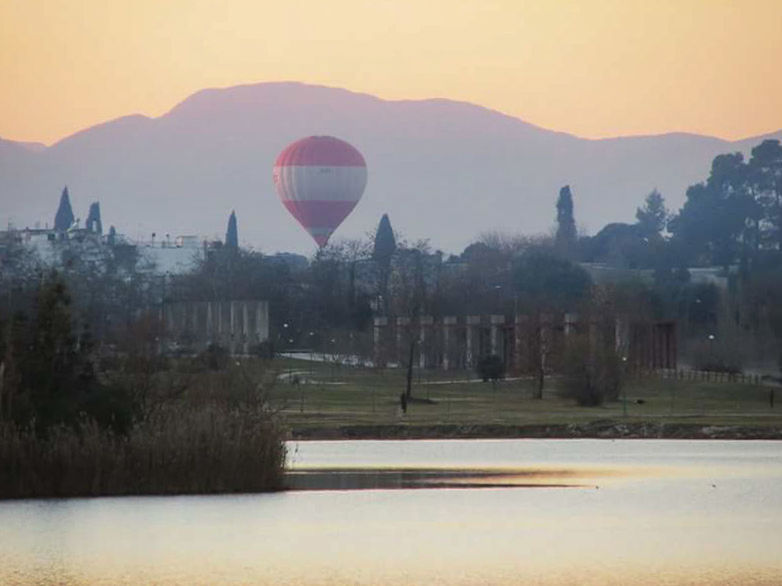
(316, 395)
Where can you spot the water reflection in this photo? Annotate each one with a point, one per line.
(670, 513)
(419, 478)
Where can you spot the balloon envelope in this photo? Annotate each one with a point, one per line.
(320, 179)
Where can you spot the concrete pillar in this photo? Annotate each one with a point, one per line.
(195, 305)
(218, 305)
(571, 321)
(180, 317)
(380, 324)
(402, 323)
(621, 336)
(209, 324)
(519, 342)
(245, 328)
(161, 324)
(425, 323)
(170, 328)
(496, 321)
(261, 324)
(470, 323)
(448, 324)
(546, 338)
(594, 337)
(232, 333)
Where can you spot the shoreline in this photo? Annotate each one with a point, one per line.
(603, 429)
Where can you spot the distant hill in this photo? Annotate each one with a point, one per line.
(443, 170)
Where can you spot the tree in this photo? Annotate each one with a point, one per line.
(385, 242)
(64, 217)
(545, 284)
(719, 217)
(618, 245)
(54, 378)
(566, 223)
(593, 371)
(232, 234)
(382, 253)
(548, 283)
(653, 216)
(765, 178)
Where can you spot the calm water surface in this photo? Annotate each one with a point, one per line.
(511, 512)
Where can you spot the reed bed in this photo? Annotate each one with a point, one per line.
(176, 450)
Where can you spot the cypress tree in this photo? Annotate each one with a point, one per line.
(385, 243)
(385, 246)
(64, 217)
(566, 223)
(232, 234)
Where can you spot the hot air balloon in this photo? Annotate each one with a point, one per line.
(320, 180)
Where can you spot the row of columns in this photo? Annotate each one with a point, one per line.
(464, 338)
(424, 330)
(235, 325)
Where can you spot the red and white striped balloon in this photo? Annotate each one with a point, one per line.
(320, 179)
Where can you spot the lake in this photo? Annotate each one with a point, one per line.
(434, 512)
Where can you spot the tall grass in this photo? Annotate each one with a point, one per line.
(174, 451)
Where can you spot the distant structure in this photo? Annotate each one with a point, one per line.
(240, 326)
(93, 219)
(521, 341)
(67, 241)
(63, 219)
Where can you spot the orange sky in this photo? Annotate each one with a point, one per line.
(591, 67)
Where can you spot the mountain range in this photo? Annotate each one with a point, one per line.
(442, 169)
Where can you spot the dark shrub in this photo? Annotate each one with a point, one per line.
(215, 357)
(490, 367)
(263, 350)
(592, 374)
(723, 354)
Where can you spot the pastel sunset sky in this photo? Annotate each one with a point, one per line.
(594, 68)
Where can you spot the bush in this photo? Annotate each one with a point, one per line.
(719, 355)
(215, 357)
(490, 367)
(263, 350)
(592, 375)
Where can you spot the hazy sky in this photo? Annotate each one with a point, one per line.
(590, 67)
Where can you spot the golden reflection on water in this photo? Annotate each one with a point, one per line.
(366, 478)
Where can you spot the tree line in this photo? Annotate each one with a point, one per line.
(730, 222)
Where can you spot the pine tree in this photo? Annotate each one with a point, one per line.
(64, 217)
(232, 233)
(566, 223)
(385, 243)
(653, 216)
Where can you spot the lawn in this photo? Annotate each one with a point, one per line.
(321, 396)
